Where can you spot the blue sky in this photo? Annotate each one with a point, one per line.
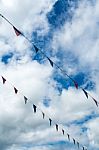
(67, 31)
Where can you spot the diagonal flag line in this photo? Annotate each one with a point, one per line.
(35, 108)
(51, 62)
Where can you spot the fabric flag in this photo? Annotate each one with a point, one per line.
(43, 115)
(15, 90)
(78, 144)
(76, 84)
(68, 137)
(36, 49)
(95, 102)
(74, 141)
(34, 107)
(63, 131)
(85, 93)
(50, 121)
(83, 148)
(57, 127)
(25, 99)
(4, 80)
(17, 32)
(51, 62)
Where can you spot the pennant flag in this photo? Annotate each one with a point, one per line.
(63, 131)
(17, 32)
(16, 91)
(43, 115)
(51, 62)
(83, 148)
(95, 102)
(78, 144)
(50, 121)
(76, 84)
(25, 99)
(57, 127)
(68, 137)
(74, 141)
(85, 93)
(34, 107)
(36, 49)
(4, 80)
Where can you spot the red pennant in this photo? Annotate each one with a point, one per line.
(17, 32)
(76, 84)
(4, 80)
(16, 91)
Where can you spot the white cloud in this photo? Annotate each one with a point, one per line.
(18, 125)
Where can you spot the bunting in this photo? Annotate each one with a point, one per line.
(68, 137)
(76, 84)
(50, 121)
(63, 131)
(43, 115)
(85, 93)
(56, 127)
(78, 144)
(36, 49)
(17, 32)
(3, 79)
(25, 99)
(15, 90)
(95, 102)
(74, 141)
(34, 107)
(51, 62)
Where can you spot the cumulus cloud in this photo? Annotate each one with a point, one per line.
(19, 127)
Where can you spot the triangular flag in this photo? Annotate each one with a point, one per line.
(43, 115)
(36, 49)
(95, 102)
(74, 141)
(57, 127)
(85, 93)
(25, 99)
(63, 131)
(68, 137)
(4, 80)
(83, 148)
(78, 144)
(76, 84)
(16, 91)
(17, 31)
(51, 62)
(50, 121)
(34, 107)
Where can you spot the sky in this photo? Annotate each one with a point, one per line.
(67, 32)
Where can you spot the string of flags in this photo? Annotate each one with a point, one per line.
(35, 108)
(18, 33)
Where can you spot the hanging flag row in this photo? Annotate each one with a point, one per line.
(35, 108)
(18, 33)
